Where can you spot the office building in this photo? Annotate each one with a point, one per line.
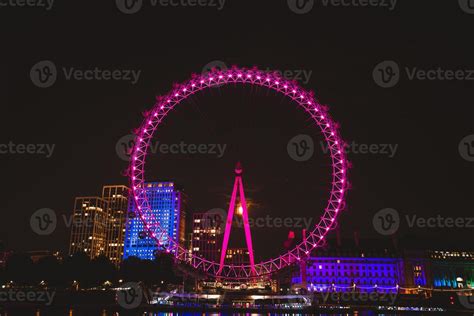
(167, 205)
(117, 199)
(98, 224)
(206, 235)
(237, 256)
(89, 226)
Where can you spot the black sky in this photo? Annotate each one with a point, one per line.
(340, 46)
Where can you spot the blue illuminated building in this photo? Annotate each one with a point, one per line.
(167, 204)
(452, 269)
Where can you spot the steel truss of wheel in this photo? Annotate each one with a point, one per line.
(253, 77)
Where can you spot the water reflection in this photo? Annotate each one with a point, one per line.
(104, 312)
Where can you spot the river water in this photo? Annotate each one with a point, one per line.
(103, 312)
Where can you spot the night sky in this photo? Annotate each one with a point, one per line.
(338, 46)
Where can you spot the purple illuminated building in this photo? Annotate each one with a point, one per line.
(347, 273)
(388, 269)
(363, 270)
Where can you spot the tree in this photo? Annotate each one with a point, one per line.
(77, 268)
(102, 270)
(19, 269)
(48, 269)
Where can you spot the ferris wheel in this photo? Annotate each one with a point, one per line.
(318, 113)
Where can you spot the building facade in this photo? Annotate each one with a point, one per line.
(98, 224)
(452, 269)
(117, 198)
(168, 207)
(405, 272)
(237, 256)
(349, 273)
(206, 236)
(89, 226)
(416, 269)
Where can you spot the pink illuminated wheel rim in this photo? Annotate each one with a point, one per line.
(303, 98)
